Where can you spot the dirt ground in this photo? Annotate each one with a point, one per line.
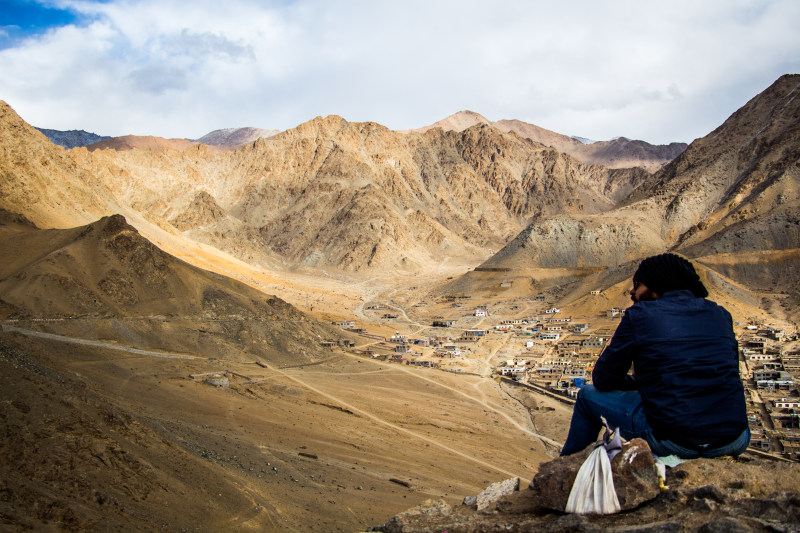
(102, 436)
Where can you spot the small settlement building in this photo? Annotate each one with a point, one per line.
(472, 335)
(399, 338)
(514, 368)
(482, 310)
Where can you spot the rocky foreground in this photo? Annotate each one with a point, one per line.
(709, 495)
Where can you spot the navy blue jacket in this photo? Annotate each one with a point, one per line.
(685, 365)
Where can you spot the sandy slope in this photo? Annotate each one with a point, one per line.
(230, 457)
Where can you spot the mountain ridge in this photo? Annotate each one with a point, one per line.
(616, 153)
(395, 190)
(72, 138)
(235, 137)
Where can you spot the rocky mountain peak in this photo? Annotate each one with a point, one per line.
(617, 153)
(456, 122)
(235, 136)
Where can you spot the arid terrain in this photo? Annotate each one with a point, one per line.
(114, 420)
(174, 351)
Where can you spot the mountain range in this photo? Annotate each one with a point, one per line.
(229, 138)
(358, 196)
(616, 153)
(330, 193)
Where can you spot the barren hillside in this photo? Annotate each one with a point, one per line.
(107, 273)
(44, 182)
(139, 391)
(734, 191)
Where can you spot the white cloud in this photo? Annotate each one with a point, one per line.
(598, 69)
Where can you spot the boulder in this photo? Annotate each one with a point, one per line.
(491, 494)
(430, 511)
(633, 470)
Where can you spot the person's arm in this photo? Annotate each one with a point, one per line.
(611, 370)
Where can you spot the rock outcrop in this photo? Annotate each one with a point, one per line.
(750, 494)
(633, 472)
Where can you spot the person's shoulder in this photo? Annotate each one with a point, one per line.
(641, 309)
(707, 308)
(675, 301)
(711, 304)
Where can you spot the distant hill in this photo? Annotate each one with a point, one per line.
(617, 153)
(455, 122)
(107, 270)
(236, 136)
(358, 195)
(145, 142)
(72, 138)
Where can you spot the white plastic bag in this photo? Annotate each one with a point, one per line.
(593, 490)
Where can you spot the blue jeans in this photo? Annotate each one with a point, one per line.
(624, 410)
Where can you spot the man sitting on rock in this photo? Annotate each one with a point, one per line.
(685, 396)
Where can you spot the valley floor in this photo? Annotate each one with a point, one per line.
(104, 427)
(336, 445)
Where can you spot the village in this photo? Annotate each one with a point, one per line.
(530, 343)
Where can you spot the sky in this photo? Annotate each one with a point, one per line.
(656, 71)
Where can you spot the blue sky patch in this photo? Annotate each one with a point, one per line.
(20, 19)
